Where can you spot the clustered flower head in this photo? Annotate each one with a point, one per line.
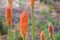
(42, 35)
(32, 2)
(51, 30)
(8, 15)
(24, 23)
(10, 2)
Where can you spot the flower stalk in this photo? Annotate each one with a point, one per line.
(32, 22)
(42, 35)
(24, 38)
(32, 6)
(10, 33)
(24, 24)
(9, 21)
(51, 31)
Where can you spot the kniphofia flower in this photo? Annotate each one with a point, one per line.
(10, 2)
(24, 23)
(42, 35)
(32, 2)
(51, 30)
(8, 15)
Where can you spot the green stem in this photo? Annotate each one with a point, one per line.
(52, 38)
(24, 39)
(32, 22)
(10, 35)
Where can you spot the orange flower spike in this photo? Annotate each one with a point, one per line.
(51, 29)
(24, 23)
(10, 2)
(32, 2)
(42, 35)
(8, 15)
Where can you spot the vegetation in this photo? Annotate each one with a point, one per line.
(48, 30)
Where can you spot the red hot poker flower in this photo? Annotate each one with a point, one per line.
(51, 29)
(24, 23)
(8, 15)
(10, 2)
(32, 2)
(42, 35)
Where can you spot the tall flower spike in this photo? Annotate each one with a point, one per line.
(8, 15)
(24, 23)
(10, 2)
(42, 35)
(32, 2)
(51, 30)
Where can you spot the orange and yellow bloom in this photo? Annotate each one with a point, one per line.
(51, 30)
(32, 2)
(10, 2)
(42, 35)
(8, 15)
(24, 23)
